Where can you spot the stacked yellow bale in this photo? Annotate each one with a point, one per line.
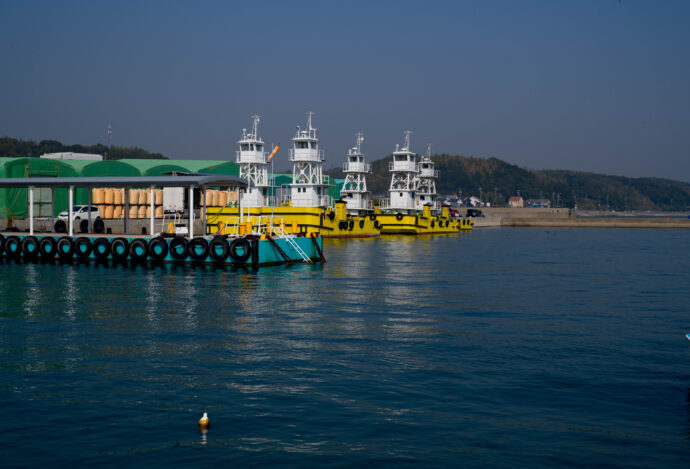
(111, 202)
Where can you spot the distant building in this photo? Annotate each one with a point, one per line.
(68, 155)
(515, 202)
(538, 203)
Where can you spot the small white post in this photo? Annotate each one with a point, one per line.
(31, 210)
(191, 211)
(152, 196)
(69, 212)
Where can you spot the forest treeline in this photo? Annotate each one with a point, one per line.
(14, 148)
(497, 180)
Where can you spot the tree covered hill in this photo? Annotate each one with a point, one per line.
(497, 180)
(14, 148)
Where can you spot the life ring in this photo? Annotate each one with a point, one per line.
(244, 244)
(198, 249)
(138, 250)
(2, 243)
(98, 226)
(47, 246)
(213, 247)
(82, 246)
(399, 216)
(60, 226)
(65, 247)
(158, 248)
(351, 225)
(372, 217)
(361, 223)
(101, 248)
(178, 248)
(376, 223)
(30, 247)
(119, 249)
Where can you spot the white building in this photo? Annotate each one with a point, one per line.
(68, 155)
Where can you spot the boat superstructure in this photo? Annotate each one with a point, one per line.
(425, 183)
(309, 209)
(253, 167)
(411, 206)
(307, 188)
(403, 168)
(354, 191)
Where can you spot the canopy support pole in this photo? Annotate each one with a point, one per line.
(127, 211)
(70, 214)
(205, 216)
(89, 212)
(191, 211)
(52, 210)
(31, 210)
(151, 207)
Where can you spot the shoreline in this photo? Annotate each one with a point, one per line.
(565, 218)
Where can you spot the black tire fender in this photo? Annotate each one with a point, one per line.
(48, 247)
(158, 248)
(361, 223)
(213, 246)
(60, 226)
(13, 246)
(101, 248)
(98, 226)
(30, 247)
(119, 249)
(65, 247)
(351, 225)
(178, 248)
(372, 217)
(83, 246)
(398, 216)
(244, 244)
(198, 249)
(2, 244)
(138, 250)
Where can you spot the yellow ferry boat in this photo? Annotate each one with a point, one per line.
(307, 210)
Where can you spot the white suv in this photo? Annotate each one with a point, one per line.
(80, 212)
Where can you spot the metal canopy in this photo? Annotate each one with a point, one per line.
(133, 181)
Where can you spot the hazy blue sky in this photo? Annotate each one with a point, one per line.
(600, 85)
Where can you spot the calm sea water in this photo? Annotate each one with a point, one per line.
(506, 347)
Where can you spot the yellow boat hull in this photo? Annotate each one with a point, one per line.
(296, 220)
(418, 224)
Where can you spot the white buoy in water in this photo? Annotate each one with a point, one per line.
(204, 422)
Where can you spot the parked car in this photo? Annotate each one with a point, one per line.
(81, 212)
(475, 212)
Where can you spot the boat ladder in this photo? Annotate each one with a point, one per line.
(291, 241)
